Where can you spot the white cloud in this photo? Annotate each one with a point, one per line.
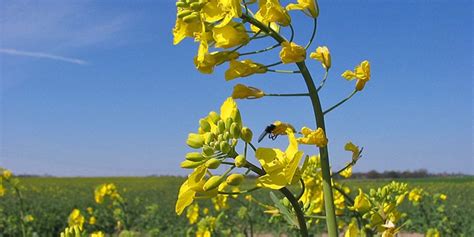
(41, 55)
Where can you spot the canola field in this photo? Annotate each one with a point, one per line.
(147, 208)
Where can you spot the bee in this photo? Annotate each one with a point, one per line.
(275, 129)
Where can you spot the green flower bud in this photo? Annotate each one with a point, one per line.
(187, 164)
(234, 130)
(212, 183)
(226, 136)
(224, 146)
(228, 122)
(246, 134)
(233, 142)
(240, 161)
(196, 6)
(235, 179)
(213, 163)
(221, 126)
(286, 202)
(214, 117)
(184, 13)
(209, 137)
(205, 126)
(190, 18)
(194, 156)
(207, 150)
(181, 4)
(220, 138)
(195, 140)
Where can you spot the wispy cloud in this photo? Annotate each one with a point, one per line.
(41, 55)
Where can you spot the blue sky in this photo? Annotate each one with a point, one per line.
(97, 88)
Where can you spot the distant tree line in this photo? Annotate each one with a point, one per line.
(393, 174)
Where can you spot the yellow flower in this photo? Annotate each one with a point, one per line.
(272, 11)
(231, 9)
(92, 220)
(280, 166)
(7, 174)
(347, 172)
(432, 233)
(292, 53)
(193, 213)
(415, 195)
(361, 203)
(246, 92)
(211, 60)
(29, 218)
(313, 137)
(443, 197)
(243, 69)
(361, 73)
(105, 190)
(97, 234)
(182, 30)
(309, 7)
(185, 197)
(2, 190)
(76, 219)
(355, 150)
(230, 35)
(322, 55)
(352, 230)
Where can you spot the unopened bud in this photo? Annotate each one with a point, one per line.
(246, 134)
(240, 161)
(221, 126)
(206, 127)
(209, 137)
(213, 163)
(212, 183)
(214, 117)
(187, 164)
(235, 179)
(226, 136)
(207, 150)
(224, 146)
(184, 13)
(194, 156)
(181, 4)
(234, 130)
(195, 140)
(228, 122)
(190, 18)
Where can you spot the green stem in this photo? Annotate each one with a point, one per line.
(323, 81)
(323, 151)
(340, 102)
(22, 210)
(345, 167)
(282, 71)
(291, 198)
(315, 26)
(273, 64)
(241, 192)
(260, 51)
(297, 94)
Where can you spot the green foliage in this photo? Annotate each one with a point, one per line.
(151, 201)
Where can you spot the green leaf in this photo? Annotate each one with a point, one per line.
(284, 211)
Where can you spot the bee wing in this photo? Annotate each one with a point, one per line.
(262, 136)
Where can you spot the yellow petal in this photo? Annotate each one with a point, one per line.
(272, 180)
(185, 198)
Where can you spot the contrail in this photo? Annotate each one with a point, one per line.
(42, 55)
